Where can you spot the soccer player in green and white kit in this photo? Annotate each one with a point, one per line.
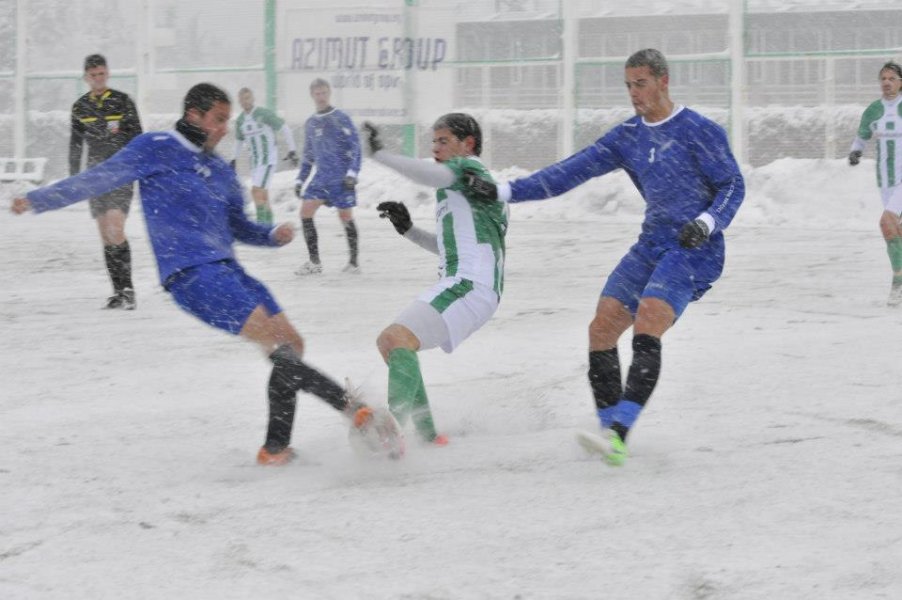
(883, 120)
(469, 239)
(257, 127)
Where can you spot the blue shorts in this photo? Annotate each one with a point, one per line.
(220, 294)
(332, 192)
(674, 275)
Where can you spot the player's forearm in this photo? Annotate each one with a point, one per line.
(727, 201)
(422, 238)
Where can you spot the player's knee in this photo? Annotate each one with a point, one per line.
(654, 317)
(605, 329)
(386, 342)
(394, 336)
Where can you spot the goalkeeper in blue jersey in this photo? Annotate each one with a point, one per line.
(194, 211)
(331, 144)
(682, 165)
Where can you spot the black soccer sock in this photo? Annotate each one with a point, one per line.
(312, 239)
(605, 378)
(640, 381)
(119, 265)
(289, 375)
(351, 230)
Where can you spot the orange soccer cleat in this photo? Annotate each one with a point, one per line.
(440, 440)
(279, 458)
(362, 417)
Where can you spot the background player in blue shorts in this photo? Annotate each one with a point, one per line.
(332, 145)
(682, 165)
(194, 210)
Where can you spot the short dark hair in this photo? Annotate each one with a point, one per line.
(319, 82)
(94, 60)
(892, 66)
(203, 96)
(651, 58)
(461, 125)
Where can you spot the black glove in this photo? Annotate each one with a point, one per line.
(854, 157)
(397, 213)
(693, 234)
(292, 157)
(298, 189)
(373, 141)
(479, 188)
(234, 164)
(349, 182)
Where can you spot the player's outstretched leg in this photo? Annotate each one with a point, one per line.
(407, 394)
(289, 375)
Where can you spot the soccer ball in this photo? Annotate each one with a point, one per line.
(380, 437)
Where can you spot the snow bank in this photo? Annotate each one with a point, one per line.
(789, 192)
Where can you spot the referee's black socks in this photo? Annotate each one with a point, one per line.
(118, 260)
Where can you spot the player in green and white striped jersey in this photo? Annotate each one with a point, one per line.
(469, 239)
(256, 128)
(882, 121)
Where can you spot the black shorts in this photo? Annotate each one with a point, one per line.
(120, 198)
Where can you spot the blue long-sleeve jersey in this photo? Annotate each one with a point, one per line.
(682, 167)
(192, 200)
(331, 143)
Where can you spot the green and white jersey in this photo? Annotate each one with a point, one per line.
(470, 233)
(258, 130)
(883, 120)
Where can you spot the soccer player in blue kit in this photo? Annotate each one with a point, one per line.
(194, 210)
(682, 165)
(331, 143)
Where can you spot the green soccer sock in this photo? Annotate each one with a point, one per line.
(407, 392)
(894, 249)
(264, 214)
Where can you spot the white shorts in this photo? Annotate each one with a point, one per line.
(262, 176)
(449, 312)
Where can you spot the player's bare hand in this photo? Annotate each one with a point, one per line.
(19, 206)
(283, 234)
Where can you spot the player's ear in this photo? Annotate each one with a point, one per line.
(194, 116)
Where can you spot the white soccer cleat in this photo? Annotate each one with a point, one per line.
(608, 445)
(309, 268)
(351, 269)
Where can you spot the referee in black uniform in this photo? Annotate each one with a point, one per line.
(105, 120)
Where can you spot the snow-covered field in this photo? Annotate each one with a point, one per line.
(767, 466)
